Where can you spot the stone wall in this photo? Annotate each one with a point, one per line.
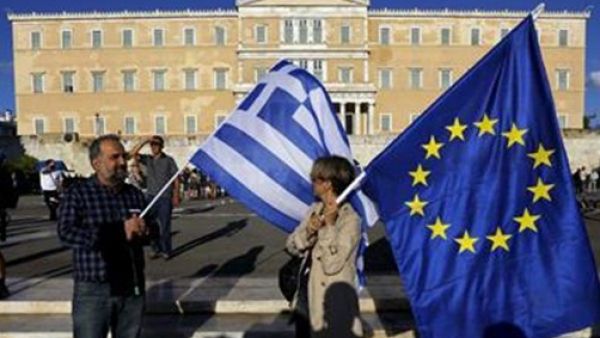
(583, 148)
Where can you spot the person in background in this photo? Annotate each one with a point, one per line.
(5, 185)
(594, 176)
(50, 181)
(160, 168)
(99, 221)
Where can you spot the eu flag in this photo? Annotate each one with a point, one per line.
(479, 207)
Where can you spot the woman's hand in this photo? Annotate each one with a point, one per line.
(315, 223)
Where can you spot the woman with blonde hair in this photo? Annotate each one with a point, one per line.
(326, 302)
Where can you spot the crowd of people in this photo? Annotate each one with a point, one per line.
(586, 181)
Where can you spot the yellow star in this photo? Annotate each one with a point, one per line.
(457, 130)
(499, 240)
(432, 148)
(515, 135)
(486, 126)
(438, 229)
(466, 242)
(527, 221)
(419, 176)
(541, 190)
(416, 206)
(541, 156)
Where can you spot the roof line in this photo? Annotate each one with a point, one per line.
(380, 12)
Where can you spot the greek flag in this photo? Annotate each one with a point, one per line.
(263, 152)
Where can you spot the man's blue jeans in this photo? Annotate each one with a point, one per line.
(162, 211)
(95, 312)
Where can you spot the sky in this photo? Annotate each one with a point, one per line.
(592, 100)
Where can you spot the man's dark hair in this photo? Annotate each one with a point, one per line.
(95, 146)
(158, 139)
(336, 169)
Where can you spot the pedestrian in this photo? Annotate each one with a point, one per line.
(98, 220)
(577, 181)
(328, 240)
(160, 168)
(594, 176)
(50, 181)
(584, 178)
(5, 186)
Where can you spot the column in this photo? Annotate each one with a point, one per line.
(357, 124)
(370, 113)
(343, 114)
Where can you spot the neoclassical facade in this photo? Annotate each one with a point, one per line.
(179, 73)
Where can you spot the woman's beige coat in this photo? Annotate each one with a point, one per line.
(334, 251)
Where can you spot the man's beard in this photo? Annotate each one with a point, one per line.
(120, 175)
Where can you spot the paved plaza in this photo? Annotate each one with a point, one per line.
(220, 282)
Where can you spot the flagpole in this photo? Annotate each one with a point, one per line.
(162, 191)
(357, 181)
(538, 10)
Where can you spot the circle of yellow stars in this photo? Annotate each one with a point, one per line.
(515, 137)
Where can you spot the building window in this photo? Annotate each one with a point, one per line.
(129, 80)
(158, 37)
(445, 78)
(68, 82)
(562, 79)
(562, 121)
(563, 38)
(96, 39)
(445, 36)
(98, 81)
(38, 82)
(415, 36)
(303, 31)
(69, 126)
(318, 70)
(504, 32)
(345, 34)
(99, 125)
(127, 38)
(36, 40)
(220, 78)
(190, 79)
(261, 34)
(219, 119)
(475, 37)
(317, 31)
(385, 78)
(66, 39)
(190, 124)
(259, 72)
(159, 80)
(39, 126)
(303, 63)
(345, 75)
(160, 126)
(385, 122)
(189, 36)
(416, 78)
(288, 31)
(220, 36)
(413, 117)
(384, 35)
(130, 125)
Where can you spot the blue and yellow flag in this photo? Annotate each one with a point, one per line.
(480, 210)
